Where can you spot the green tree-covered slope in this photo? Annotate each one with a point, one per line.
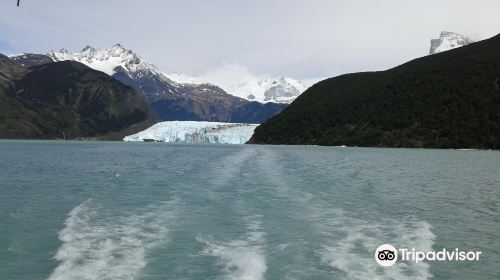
(447, 100)
(67, 100)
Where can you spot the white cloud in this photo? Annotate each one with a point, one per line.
(229, 75)
(298, 38)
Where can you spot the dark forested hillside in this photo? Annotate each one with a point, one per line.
(447, 100)
(67, 100)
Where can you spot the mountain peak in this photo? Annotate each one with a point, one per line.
(119, 48)
(447, 41)
(449, 34)
(88, 49)
(105, 60)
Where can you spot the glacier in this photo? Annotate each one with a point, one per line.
(195, 132)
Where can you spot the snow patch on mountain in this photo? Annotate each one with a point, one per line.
(447, 41)
(196, 132)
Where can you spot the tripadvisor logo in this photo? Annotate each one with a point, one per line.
(387, 255)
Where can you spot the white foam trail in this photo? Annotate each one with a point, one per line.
(96, 246)
(354, 254)
(241, 259)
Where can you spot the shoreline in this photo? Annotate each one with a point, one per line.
(246, 144)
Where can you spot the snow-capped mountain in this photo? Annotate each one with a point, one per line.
(196, 132)
(447, 41)
(125, 66)
(238, 81)
(263, 90)
(105, 60)
(280, 90)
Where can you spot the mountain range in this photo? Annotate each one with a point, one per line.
(178, 96)
(447, 99)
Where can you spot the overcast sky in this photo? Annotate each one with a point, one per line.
(296, 38)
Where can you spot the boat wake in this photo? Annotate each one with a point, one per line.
(241, 259)
(350, 251)
(96, 245)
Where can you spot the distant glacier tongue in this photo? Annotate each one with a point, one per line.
(195, 132)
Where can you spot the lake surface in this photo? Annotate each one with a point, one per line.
(112, 210)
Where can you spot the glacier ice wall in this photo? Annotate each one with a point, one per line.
(196, 132)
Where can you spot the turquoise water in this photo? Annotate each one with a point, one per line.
(103, 210)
